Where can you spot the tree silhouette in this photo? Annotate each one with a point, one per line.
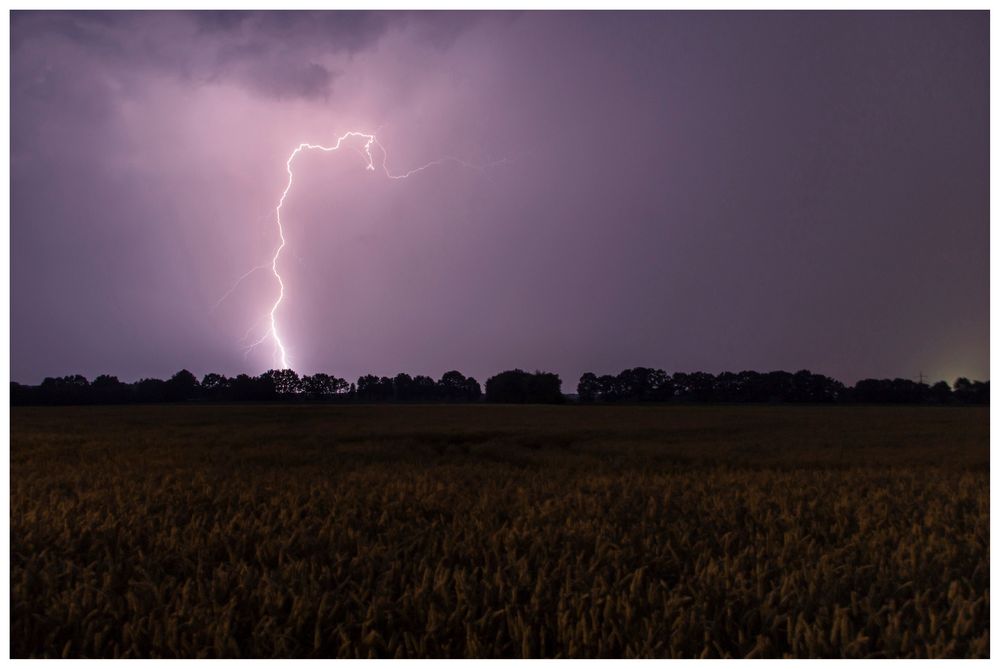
(402, 388)
(940, 393)
(212, 382)
(588, 389)
(285, 381)
(519, 387)
(72, 389)
(107, 389)
(636, 384)
(323, 386)
(455, 387)
(150, 390)
(971, 392)
(372, 388)
(182, 386)
(424, 388)
(253, 388)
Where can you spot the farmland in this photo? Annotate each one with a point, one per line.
(499, 531)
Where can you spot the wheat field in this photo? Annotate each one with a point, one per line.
(499, 531)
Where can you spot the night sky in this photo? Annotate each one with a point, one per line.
(691, 191)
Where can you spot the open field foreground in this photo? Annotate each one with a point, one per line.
(483, 531)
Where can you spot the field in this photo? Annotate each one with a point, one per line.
(499, 531)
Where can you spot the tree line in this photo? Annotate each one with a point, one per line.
(272, 385)
(643, 384)
(638, 384)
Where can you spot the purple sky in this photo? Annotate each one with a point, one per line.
(692, 191)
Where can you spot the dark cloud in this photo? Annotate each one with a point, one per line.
(279, 72)
(279, 54)
(215, 21)
(442, 29)
(290, 80)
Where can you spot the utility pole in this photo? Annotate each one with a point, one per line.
(921, 378)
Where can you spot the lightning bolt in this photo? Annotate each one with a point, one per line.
(236, 284)
(370, 165)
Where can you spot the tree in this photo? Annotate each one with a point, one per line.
(106, 381)
(940, 393)
(728, 387)
(321, 386)
(776, 386)
(695, 387)
(213, 382)
(888, 391)
(871, 391)
(814, 388)
(588, 389)
(107, 389)
(149, 390)
(750, 387)
(451, 386)
(250, 388)
(982, 392)
(72, 389)
(518, 386)
(424, 389)
(181, 386)
(402, 388)
(285, 381)
(21, 394)
(643, 384)
(971, 392)
(509, 387)
(455, 387)
(473, 391)
(372, 388)
(216, 386)
(610, 388)
(661, 386)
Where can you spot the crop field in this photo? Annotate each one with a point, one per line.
(499, 531)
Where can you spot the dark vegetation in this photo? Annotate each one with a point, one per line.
(273, 385)
(643, 384)
(209, 530)
(640, 384)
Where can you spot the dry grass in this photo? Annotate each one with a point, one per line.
(483, 531)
